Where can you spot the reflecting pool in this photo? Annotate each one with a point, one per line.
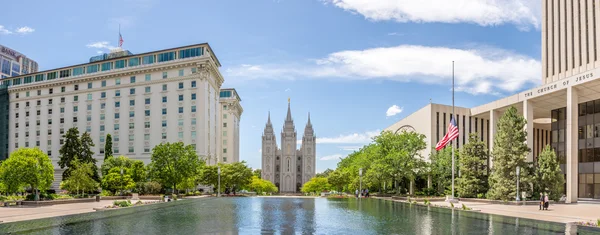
(269, 215)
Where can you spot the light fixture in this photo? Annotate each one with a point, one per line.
(543, 120)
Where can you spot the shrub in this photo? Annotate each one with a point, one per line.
(451, 204)
(106, 193)
(464, 207)
(152, 188)
(481, 195)
(139, 203)
(429, 192)
(122, 203)
(174, 196)
(426, 202)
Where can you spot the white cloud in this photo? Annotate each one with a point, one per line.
(99, 52)
(25, 30)
(522, 13)
(288, 89)
(350, 148)
(4, 31)
(354, 138)
(331, 157)
(100, 45)
(393, 110)
(478, 69)
(259, 150)
(395, 34)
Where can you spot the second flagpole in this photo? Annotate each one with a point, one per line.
(452, 140)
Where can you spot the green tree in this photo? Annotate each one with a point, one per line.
(549, 178)
(209, 175)
(108, 151)
(172, 163)
(87, 154)
(402, 153)
(115, 181)
(338, 179)
(138, 171)
(376, 175)
(473, 179)
(316, 185)
(69, 151)
(441, 169)
(236, 175)
(324, 173)
(510, 150)
(257, 173)
(27, 167)
(81, 178)
(261, 186)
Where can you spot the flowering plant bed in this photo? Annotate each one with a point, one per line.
(589, 223)
(124, 204)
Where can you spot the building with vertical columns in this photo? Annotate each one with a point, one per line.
(564, 112)
(142, 100)
(287, 167)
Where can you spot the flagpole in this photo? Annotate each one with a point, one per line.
(453, 139)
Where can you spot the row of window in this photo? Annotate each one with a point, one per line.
(90, 85)
(107, 66)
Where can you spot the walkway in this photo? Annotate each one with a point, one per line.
(562, 213)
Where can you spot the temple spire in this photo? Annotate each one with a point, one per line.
(289, 112)
(269, 119)
(309, 124)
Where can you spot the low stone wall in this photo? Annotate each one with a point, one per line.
(148, 197)
(419, 199)
(56, 202)
(520, 203)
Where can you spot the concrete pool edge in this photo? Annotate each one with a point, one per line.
(49, 222)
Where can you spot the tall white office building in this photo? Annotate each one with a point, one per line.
(142, 100)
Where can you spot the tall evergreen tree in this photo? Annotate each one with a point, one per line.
(87, 154)
(473, 156)
(69, 151)
(510, 150)
(108, 151)
(549, 178)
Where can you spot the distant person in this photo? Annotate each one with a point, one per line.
(366, 192)
(356, 193)
(541, 201)
(563, 198)
(546, 202)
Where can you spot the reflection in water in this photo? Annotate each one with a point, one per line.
(298, 216)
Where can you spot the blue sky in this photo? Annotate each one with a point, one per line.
(357, 66)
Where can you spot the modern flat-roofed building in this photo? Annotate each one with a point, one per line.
(13, 63)
(142, 100)
(564, 112)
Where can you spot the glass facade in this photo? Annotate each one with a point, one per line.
(588, 149)
(92, 68)
(149, 59)
(167, 56)
(134, 61)
(191, 52)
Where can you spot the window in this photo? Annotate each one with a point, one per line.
(37, 122)
(118, 93)
(101, 127)
(193, 121)
(92, 68)
(180, 109)
(76, 98)
(180, 135)
(116, 138)
(17, 125)
(17, 95)
(40, 77)
(194, 70)
(115, 149)
(193, 135)
(193, 96)
(103, 83)
(131, 114)
(147, 89)
(146, 136)
(181, 85)
(224, 142)
(117, 104)
(90, 85)
(50, 111)
(117, 127)
(62, 120)
(103, 95)
(131, 149)
(62, 99)
(64, 73)
(89, 107)
(192, 52)
(224, 150)
(101, 138)
(118, 81)
(224, 116)
(117, 115)
(193, 83)
(74, 119)
(27, 94)
(164, 75)
(164, 99)
(102, 117)
(225, 124)
(147, 101)
(134, 61)
(164, 136)
(193, 108)
(147, 112)
(62, 131)
(89, 97)
(75, 108)
(132, 103)
(39, 102)
(49, 101)
(27, 104)
(27, 114)
(49, 121)
(119, 64)
(149, 59)
(181, 72)
(180, 97)
(164, 123)
(39, 92)
(131, 126)
(50, 91)
(167, 56)
(148, 77)
(62, 89)
(164, 111)
(106, 66)
(76, 87)
(180, 122)
(132, 91)
(102, 105)
(146, 124)
(224, 159)
(17, 105)
(224, 107)
(164, 87)
(132, 79)
(224, 133)
(89, 118)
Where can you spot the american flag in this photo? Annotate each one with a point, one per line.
(120, 40)
(451, 134)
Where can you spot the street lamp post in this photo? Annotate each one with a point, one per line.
(219, 184)
(121, 181)
(360, 185)
(518, 197)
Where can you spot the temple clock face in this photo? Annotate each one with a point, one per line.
(406, 128)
